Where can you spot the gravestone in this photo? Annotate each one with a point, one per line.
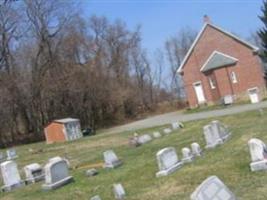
(167, 131)
(168, 161)
(95, 198)
(196, 150)
(156, 134)
(119, 192)
(56, 174)
(212, 138)
(258, 154)
(111, 160)
(2, 157)
(33, 173)
(177, 125)
(187, 155)
(221, 130)
(212, 189)
(215, 133)
(143, 139)
(10, 176)
(133, 141)
(11, 154)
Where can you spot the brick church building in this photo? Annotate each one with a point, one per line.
(221, 67)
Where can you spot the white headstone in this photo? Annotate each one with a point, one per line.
(11, 154)
(167, 131)
(187, 155)
(33, 173)
(10, 176)
(143, 139)
(196, 150)
(119, 192)
(168, 161)
(156, 134)
(212, 138)
(95, 198)
(258, 153)
(212, 189)
(111, 159)
(177, 125)
(56, 174)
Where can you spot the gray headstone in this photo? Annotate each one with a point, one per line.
(212, 189)
(187, 155)
(2, 157)
(119, 192)
(221, 130)
(258, 154)
(10, 176)
(168, 161)
(212, 138)
(196, 150)
(143, 139)
(56, 174)
(167, 131)
(11, 154)
(95, 198)
(33, 173)
(111, 159)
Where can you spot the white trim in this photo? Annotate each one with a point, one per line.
(213, 53)
(255, 49)
(196, 83)
(254, 88)
(233, 77)
(211, 82)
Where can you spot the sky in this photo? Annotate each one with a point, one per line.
(161, 19)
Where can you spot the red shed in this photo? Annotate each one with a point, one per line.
(63, 130)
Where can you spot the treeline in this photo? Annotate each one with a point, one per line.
(55, 63)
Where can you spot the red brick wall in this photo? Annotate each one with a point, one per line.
(248, 68)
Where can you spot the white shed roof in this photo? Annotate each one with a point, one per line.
(66, 120)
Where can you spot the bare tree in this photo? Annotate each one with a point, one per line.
(176, 48)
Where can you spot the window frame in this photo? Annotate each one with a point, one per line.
(233, 77)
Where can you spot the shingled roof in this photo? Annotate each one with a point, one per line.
(217, 60)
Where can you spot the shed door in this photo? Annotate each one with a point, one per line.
(199, 92)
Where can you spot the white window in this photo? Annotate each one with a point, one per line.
(233, 77)
(212, 83)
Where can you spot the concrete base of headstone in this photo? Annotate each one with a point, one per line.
(170, 170)
(8, 188)
(211, 146)
(227, 137)
(96, 198)
(47, 187)
(113, 165)
(188, 160)
(258, 166)
(35, 179)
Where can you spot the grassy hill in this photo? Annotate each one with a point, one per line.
(230, 162)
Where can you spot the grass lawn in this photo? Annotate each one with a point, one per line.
(230, 162)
